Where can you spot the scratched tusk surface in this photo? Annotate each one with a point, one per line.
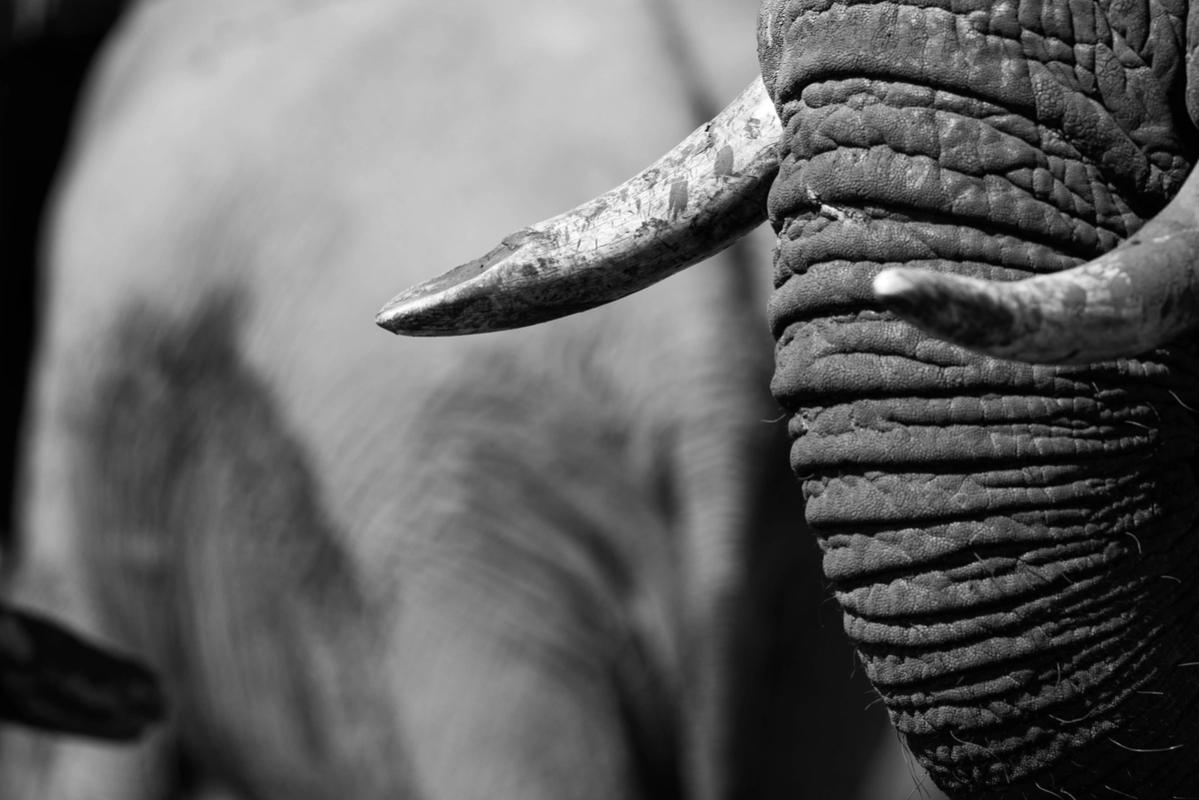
(699, 198)
(1141, 295)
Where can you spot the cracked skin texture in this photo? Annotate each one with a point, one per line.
(1013, 546)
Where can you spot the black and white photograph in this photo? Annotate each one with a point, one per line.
(622, 400)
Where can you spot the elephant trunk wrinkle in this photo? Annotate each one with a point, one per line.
(999, 535)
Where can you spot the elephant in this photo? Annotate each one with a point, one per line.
(528, 565)
(45, 50)
(50, 678)
(983, 308)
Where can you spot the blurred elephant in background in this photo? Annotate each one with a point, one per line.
(46, 47)
(50, 678)
(530, 565)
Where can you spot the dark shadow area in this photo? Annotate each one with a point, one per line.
(42, 68)
(805, 700)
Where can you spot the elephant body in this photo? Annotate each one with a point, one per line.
(1012, 545)
(515, 566)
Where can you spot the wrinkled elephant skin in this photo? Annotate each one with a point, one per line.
(512, 566)
(1010, 543)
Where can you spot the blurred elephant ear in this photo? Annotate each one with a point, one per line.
(52, 680)
(1141, 295)
(699, 198)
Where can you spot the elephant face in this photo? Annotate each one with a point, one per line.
(1012, 544)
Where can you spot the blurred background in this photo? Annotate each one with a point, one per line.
(48, 47)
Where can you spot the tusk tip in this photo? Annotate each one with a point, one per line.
(398, 317)
(912, 294)
(427, 311)
(463, 300)
(896, 286)
(966, 311)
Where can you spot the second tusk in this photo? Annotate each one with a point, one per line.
(1143, 294)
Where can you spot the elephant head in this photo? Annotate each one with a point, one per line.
(1012, 543)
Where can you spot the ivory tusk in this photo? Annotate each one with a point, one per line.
(53, 680)
(696, 200)
(1141, 295)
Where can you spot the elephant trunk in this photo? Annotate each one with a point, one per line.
(1004, 538)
